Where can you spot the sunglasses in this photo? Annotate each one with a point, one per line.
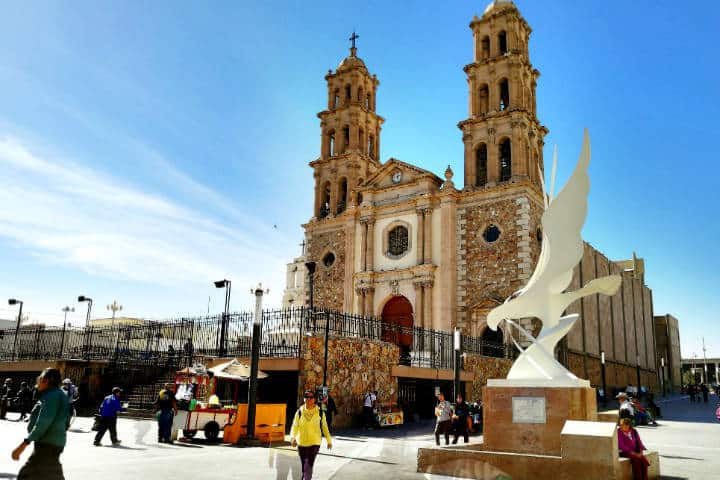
(309, 396)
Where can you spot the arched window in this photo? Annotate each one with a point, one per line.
(504, 94)
(485, 47)
(325, 203)
(346, 138)
(483, 99)
(342, 196)
(347, 94)
(368, 102)
(336, 99)
(371, 146)
(502, 43)
(397, 241)
(331, 143)
(481, 165)
(505, 160)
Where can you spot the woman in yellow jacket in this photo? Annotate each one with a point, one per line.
(308, 428)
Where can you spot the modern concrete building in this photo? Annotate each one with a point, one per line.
(669, 359)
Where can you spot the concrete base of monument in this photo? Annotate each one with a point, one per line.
(536, 430)
(473, 462)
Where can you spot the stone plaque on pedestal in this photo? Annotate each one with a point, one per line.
(529, 419)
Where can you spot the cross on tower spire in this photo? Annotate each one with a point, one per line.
(353, 37)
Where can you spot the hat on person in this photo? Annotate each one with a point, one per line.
(67, 381)
(309, 394)
(621, 395)
(117, 390)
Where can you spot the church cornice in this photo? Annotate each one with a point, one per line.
(514, 114)
(513, 55)
(355, 107)
(499, 192)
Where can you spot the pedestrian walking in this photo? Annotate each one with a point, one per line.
(369, 408)
(705, 391)
(329, 409)
(443, 414)
(46, 428)
(108, 417)
(460, 419)
(24, 399)
(167, 409)
(632, 447)
(6, 394)
(308, 427)
(692, 392)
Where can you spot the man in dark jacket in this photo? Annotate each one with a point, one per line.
(6, 394)
(460, 419)
(47, 429)
(168, 409)
(108, 416)
(24, 397)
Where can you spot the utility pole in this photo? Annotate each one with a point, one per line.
(704, 361)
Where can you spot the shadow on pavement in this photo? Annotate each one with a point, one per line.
(8, 475)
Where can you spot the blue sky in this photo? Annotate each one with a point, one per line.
(148, 148)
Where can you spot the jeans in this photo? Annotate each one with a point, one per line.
(43, 463)
(107, 423)
(165, 421)
(307, 459)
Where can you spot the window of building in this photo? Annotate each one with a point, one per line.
(485, 47)
(347, 94)
(502, 43)
(371, 146)
(346, 138)
(342, 196)
(504, 94)
(336, 99)
(325, 203)
(331, 144)
(483, 99)
(491, 234)
(505, 160)
(328, 259)
(368, 101)
(360, 94)
(481, 165)
(398, 241)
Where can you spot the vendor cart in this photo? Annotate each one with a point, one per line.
(389, 415)
(200, 407)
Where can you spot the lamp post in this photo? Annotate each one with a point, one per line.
(602, 372)
(255, 359)
(457, 347)
(14, 301)
(226, 284)
(88, 330)
(662, 373)
(65, 309)
(114, 308)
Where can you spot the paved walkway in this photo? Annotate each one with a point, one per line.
(688, 440)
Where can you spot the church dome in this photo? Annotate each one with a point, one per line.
(498, 4)
(350, 62)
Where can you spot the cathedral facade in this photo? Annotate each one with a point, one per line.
(395, 241)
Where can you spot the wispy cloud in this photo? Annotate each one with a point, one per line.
(66, 213)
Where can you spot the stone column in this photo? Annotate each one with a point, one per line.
(318, 196)
(418, 305)
(427, 306)
(493, 159)
(369, 301)
(370, 243)
(470, 172)
(363, 245)
(361, 302)
(427, 243)
(420, 235)
(518, 152)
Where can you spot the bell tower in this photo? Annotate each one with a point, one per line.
(503, 137)
(350, 133)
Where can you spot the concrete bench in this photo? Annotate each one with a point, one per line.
(653, 470)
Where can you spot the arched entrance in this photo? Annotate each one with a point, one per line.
(397, 317)
(493, 343)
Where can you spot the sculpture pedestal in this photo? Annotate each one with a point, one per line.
(529, 419)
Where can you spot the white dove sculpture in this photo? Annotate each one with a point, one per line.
(544, 296)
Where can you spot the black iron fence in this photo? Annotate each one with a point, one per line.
(177, 342)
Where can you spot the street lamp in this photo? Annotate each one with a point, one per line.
(255, 359)
(65, 309)
(226, 284)
(14, 301)
(604, 385)
(662, 372)
(457, 347)
(88, 338)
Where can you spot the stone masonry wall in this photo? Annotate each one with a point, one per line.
(354, 367)
(329, 281)
(483, 368)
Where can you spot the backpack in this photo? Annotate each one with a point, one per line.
(298, 415)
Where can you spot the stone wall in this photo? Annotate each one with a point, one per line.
(354, 367)
(329, 281)
(482, 369)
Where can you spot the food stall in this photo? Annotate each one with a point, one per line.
(389, 414)
(200, 408)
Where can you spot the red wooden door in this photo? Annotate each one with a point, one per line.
(398, 315)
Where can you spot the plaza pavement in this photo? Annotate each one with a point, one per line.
(688, 439)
